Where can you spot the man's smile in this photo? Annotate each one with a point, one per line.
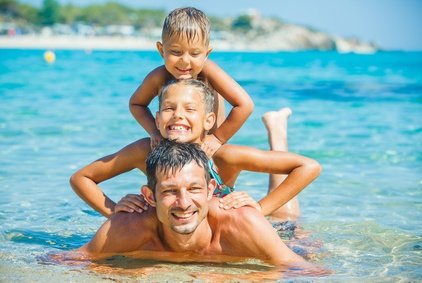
(183, 215)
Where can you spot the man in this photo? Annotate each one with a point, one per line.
(184, 222)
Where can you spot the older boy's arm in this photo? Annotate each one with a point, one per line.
(85, 181)
(300, 169)
(234, 94)
(263, 241)
(142, 97)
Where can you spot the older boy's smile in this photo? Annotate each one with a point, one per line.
(182, 114)
(177, 129)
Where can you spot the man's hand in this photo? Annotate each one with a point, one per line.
(238, 199)
(210, 145)
(131, 203)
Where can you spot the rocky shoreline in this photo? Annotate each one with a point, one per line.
(276, 42)
(266, 35)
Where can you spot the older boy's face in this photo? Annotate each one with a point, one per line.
(182, 115)
(183, 59)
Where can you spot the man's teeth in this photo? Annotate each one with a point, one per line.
(183, 215)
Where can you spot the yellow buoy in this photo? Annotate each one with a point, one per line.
(49, 57)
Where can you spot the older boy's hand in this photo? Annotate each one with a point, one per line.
(238, 199)
(131, 203)
(210, 145)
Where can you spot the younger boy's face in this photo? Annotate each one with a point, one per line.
(183, 59)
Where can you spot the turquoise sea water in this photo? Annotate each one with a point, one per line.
(360, 116)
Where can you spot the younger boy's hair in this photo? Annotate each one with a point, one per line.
(207, 94)
(188, 22)
(169, 156)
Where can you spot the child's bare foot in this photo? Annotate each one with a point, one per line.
(272, 119)
(276, 124)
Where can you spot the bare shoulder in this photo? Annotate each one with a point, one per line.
(159, 76)
(143, 144)
(135, 153)
(238, 218)
(123, 232)
(211, 70)
(210, 66)
(131, 224)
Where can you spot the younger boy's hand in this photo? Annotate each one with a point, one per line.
(155, 139)
(131, 203)
(210, 145)
(238, 199)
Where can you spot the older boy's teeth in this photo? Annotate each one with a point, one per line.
(178, 128)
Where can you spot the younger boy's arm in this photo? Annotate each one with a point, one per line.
(234, 94)
(142, 97)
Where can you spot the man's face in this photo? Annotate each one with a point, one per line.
(182, 115)
(181, 198)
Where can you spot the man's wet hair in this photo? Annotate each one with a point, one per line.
(207, 94)
(170, 156)
(188, 22)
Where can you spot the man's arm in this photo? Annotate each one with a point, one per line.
(85, 181)
(234, 94)
(231, 159)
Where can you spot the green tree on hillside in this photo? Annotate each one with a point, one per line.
(242, 22)
(13, 10)
(9, 8)
(49, 13)
(69, 13)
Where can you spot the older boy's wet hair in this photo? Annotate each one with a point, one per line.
(207, 93)
(169, 156)
(186, 22)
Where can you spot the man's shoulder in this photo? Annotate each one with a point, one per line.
(122, 232)
(124, 221)
(241, 216)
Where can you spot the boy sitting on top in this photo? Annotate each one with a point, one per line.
(185, 49)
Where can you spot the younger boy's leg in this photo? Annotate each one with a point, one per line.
(276, 124)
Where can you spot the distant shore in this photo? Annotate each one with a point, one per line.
(76, 42)
(62, 42)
